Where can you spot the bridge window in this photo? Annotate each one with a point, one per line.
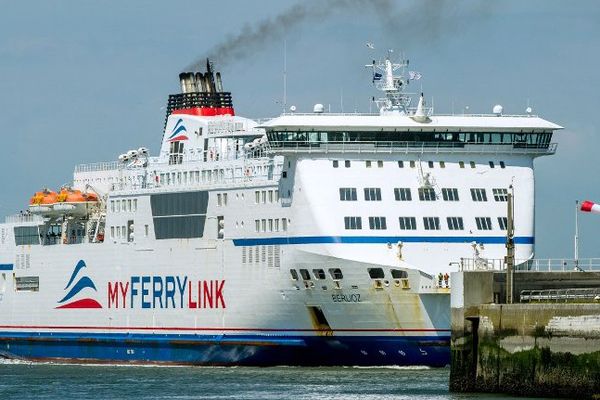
(26, 235)
(294, 274)
(305, 274)
(399, 274)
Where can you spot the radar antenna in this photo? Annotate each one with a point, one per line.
(384, 79)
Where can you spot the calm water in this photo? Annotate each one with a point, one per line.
(48, 381)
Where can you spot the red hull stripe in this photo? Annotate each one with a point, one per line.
(587, 206)
(83, 303)
(205, 111)
(176, 328)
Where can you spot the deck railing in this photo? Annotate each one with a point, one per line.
(409, 147)
(573, 295)
(534, 265)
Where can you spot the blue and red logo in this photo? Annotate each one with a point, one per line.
(178, 132)
(74, 289)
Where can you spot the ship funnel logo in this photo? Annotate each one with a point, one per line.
(73, 289)
(178, 132)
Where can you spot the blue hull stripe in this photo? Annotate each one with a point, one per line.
(378, 239)
(6, 267)
(257, 350)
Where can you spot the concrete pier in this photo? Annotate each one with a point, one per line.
(547, 343)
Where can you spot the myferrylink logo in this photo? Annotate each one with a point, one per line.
(75, 287)
(169, 291)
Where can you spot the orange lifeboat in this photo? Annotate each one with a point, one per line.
(42, 202)
(74, 202)
(44, 197)
(67, 201)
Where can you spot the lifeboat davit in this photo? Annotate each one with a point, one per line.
(66, 202)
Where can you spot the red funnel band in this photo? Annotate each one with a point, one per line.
(205, 111)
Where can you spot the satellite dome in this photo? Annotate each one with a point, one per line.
(497, 109)
(319, 108)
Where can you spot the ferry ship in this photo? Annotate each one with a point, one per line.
(307, 239)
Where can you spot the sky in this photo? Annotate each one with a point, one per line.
(83, 81)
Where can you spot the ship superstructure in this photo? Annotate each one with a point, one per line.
(308, 239)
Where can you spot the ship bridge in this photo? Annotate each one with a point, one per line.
(323, 132)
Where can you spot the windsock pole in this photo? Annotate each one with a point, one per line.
(576, 231)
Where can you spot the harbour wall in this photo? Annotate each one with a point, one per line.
(528, 349)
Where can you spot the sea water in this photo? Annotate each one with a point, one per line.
(20, 380)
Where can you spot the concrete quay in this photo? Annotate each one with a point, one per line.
(546, 343)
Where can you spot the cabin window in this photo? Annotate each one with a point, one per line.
(442, 164)
(377, 223)
(376, 273)
(430, 164)
(502, 223)
(372, 194)
(455, 223)
(472, 163)
(284, 224)
(176, 152)
(400, 164)
(399, 274)
(256, 197)
(461, 164)
(502, 165)
(431, 223)
(257, 225)
(402, 194)
(348, 194)
(379, 164)
(319, 273)
(347, 163)
(483, 223)
(450, 194)
(368, 164)
(478, 194)
(408, 223)
(336, 274)
(427, 194)
(500, 194)
(335, 163)
(492, 164)
(412, 164)
(353, 223)
(304, 274)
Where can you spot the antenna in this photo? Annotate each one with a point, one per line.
(341, 100)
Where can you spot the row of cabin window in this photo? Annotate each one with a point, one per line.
(319, 274)
(221, 199)
(266, 196)
(125, 205)
(271, 225)
(120, 232)
(425, 194)
(429, 223)
(413, 163)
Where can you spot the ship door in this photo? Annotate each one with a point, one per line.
(319, 321)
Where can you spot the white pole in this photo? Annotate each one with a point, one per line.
(576, 231)
(284, 75)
